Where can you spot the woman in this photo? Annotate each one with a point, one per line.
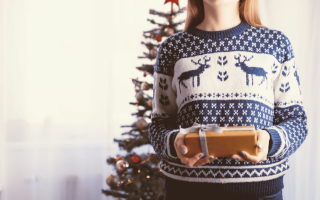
(226, 69)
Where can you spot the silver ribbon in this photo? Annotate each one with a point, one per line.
(201, 129)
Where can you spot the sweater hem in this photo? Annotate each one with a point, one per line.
(223, 180)
(223, 173)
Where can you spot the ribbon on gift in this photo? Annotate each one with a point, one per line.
(201, 129)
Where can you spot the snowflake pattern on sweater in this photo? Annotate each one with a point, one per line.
(243, 76)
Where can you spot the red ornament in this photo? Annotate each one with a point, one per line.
(144, 74)
(158, 38)
(135, 159)
(173, 1)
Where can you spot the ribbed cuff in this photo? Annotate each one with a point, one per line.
(171, 148)
(275, 141)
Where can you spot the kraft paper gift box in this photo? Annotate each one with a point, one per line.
(231, 141)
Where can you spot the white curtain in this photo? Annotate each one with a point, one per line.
(65, 86)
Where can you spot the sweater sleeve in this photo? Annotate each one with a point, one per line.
(289, 128)
(163, 127)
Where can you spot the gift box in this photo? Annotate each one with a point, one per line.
(230, 141)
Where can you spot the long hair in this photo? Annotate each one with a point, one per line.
(248, 11)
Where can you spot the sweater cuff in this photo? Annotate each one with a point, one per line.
(170, 146)
(275, 141)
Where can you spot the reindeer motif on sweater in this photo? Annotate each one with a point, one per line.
(257, 71)
(193, 73)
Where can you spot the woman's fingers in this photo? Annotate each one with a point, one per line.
(204, 160)
(244, 156)
(179, 144)
(191, 161)
(237, 157)
(263, 140)
(251, 158)
(181, 150)
(262, 145)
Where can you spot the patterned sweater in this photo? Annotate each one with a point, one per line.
(242, 76)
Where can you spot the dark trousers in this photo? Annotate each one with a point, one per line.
(176, 190)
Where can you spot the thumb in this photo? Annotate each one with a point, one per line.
(181, 147)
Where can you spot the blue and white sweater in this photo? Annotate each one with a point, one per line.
(241, 76)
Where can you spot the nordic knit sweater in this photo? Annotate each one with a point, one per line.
(242, 76)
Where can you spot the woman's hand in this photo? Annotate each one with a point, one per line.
(263, 149)
(181, 150)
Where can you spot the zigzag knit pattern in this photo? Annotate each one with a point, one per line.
(243, 76)
(225, 174)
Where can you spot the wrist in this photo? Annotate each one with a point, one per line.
(268, 134)
(172, 140)
(270, 140)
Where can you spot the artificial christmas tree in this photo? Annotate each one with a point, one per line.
(138, 177)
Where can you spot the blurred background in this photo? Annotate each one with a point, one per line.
(65, 83)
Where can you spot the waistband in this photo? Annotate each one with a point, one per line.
(232, 190)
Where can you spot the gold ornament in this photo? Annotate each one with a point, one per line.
(169, 31)
(141, 124)
(145, 86)
(150, 103)
(112, 180)
(139, 96)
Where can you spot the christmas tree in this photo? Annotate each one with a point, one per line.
(138, 177)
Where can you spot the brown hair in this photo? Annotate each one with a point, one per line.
(248, 11)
